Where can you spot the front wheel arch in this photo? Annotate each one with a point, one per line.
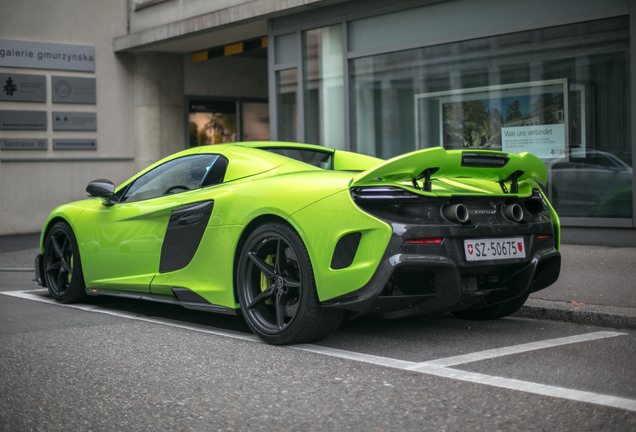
(61, 260)
(47, 229)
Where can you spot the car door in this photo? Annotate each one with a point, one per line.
(123, 250)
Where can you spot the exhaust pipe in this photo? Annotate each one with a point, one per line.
(513, 212)
(457, 213)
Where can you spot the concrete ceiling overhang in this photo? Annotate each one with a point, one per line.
(236, 23)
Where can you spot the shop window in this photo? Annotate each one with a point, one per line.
(561, 93)
(287, 102)
(254, 121)
(324, 108)
(285, 48)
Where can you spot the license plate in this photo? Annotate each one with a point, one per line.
(494, 249)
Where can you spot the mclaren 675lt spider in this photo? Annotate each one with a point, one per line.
(296, 237)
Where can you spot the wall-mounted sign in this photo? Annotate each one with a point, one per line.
(46, 55)
(22, 144)
(74, 144)
(70, 121)
(73, 90)
(22, 88)
(22, 120)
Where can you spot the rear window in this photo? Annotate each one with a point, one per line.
(317, 158)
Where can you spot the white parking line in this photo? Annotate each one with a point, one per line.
(31, 295)
(430, 368)
(438, 367)
(517, 349)
(16, 269)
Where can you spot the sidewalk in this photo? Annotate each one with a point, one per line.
(597, 285)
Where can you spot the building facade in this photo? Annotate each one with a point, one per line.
(553, 78)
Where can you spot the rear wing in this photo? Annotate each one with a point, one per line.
(422, 166)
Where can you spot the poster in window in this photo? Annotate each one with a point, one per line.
(524, 117)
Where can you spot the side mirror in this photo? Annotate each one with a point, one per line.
(102, 189)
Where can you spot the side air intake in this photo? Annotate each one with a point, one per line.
(345, 250)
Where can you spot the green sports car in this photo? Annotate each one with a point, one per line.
(298, 237)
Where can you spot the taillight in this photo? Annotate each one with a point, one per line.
(397, 204)
(382, 193)
(425, 241)
(535, 203)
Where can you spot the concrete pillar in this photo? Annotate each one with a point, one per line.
(159, 111)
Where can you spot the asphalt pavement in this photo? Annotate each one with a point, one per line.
(597, 285)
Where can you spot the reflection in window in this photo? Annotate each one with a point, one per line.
(254, 121)
(324, 89)
(318, 159)
(287, 103)
(468, 94)
(211, 122)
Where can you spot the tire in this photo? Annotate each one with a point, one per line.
(62, 265)
(493, 312)
(277, 291)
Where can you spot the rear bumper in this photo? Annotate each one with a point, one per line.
(419, 280)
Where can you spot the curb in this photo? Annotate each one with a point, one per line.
(603, 316)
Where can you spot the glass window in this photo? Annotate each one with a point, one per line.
(211, 122)
(287, 103)
(175, 176)
(320, 159)
(254, 121)
(286, 48)
(561, 93)
(323, 87)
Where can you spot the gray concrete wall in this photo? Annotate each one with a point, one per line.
(147, 14)
(32, 183)
(159, 111)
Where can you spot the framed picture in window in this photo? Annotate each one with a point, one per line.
(523, 117)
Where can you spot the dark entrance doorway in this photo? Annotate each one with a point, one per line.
(214, 121)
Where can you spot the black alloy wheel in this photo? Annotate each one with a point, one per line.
(62, 266)
(276, 288)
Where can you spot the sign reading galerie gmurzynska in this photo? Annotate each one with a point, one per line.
(47, 55)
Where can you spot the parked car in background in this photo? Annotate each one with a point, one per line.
(591, 183)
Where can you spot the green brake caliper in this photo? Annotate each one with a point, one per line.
(70, 275)
(265, 282)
